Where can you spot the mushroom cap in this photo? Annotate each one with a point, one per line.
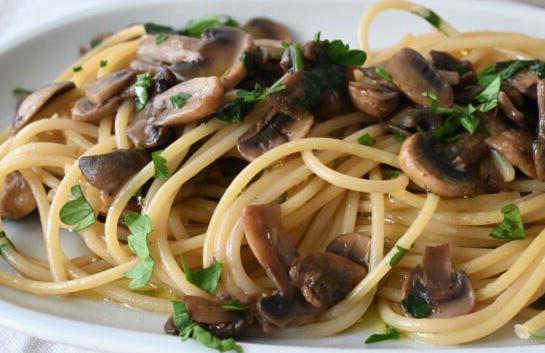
(526, 82)
(206, 93)
(282, 310)
(35, 101)
(208, 310)
(17, 198)
(274, 130)
(414, 75)
(377, 101)
(110, 171)
(516, 146)
(353, 246)
(108, 85)
(265, 28)
(173, 49)
(85, 110)
(429, 170)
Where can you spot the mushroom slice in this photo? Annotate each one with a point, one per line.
(270, 243)
(424, 166)
(218, 55)
(325, 279)
(414, 75)
(108, 172)
(173, 49)
(353, 246)
(108, 85)
(274, 130)
(449, 293)
(17, 198)
(508, 108)
(34, 102)
(466, 151)
(85, 110)
(516, 146)
(377, 101)
(443, 60)
(264, 28)
(204, 98)
(526, 82)
(538, 148)
(541, 108)
(409, 117)
(283, 310)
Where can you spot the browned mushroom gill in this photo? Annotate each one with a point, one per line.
(246, 181)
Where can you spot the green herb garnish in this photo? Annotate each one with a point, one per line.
(77, 68)
(401, 251)
(316, 37)
(399, 137)
(341, 53)
(141, 89)
(159, 164)
(383, 74)
(416, 306)
(177, 101)
(248, 60)
(103, 63)
(391, 174)
(19, 92)
(391, 334)
(189, 329)
(235, 305)
(297, 57)
(511, 227)
(206, 279)
(139, 226)
(366, 140)
(489, 96)
(195, 27)
(77, 212)
(161, 37)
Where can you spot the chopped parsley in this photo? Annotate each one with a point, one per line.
(401, 251)
(280, 52)
(189, 329)
(383, 74)
(206, 279)
(177, 101)
(235, 305)
(159, 164)
(141, 89)
(95, 42)
(20, 92)
(391, 334)
(77, 212)
(103, 63)
(511, 227)
(416, 306)
(315, 82)
(160, 38)
(154, 28)
(508, 69)
(399, 137)
(469, 120)
(195, 27)
(316, 37)
(340, 53)
(77, 68)
(366, 140)
(248, 60)
(139, 226)
(297, 57)
(391, 174)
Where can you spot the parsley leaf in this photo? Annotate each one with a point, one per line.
(103, 63)
(189, 329)
(235, 305)
(297, 57)
(366, 140)
(143, 84)
(341, 53)
(391, 174)
(161, 37)
(511, 227)
(391, 334)
(19, 92)
(399, 137)
(77, 68)
(383, 74)
(77, 212)
(177, 101)
(416, 306)
(206, 279)
(159, 164)
(489, 96)
(154, 28)
(469, 121)
(317, 36)
(401, 251)
(248, 60)
(195, 27)
(139, 226)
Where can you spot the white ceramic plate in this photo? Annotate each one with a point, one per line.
(37, 56)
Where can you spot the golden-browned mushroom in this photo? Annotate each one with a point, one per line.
(414, 75)
(264, 28)
(376, 101)
(85, 110)
(17, 198)
(353, 246)
(34, 102)
(109, 85)
(516, 146)
(274, 130)
(508, 108)
(448, 292)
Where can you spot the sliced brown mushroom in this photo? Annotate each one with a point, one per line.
(538, 145)
(204, 98)
(508, 108)
(109, 85)
(526, 82)
(17, 198)
(271, 132)
(452, 77)
(448, 292)
(282, 310)
(85, 110)
(423, 165)
(466, 151)
(375, 101)
(353, 246)
(264, 28)
(414, 75)
(109, 171)
(325, 279)
(491, 175)
(409, 117)
(34, 102)
(445, 61)
(516, 146)
(173, 49)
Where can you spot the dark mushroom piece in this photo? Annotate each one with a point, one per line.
(142, 130)
(325, 278)
(445, 61)
(466, 151)
(264, 28)
(516, 146)
(423, 165)
(275, 129)
(17, 198)
(414, 75)
(85, 110)
(409, 117)
(376, 101)
(108, 85)
(109, 171)
(526, 82)
(538, 146)
(353, 246)
(449, 293)
(34, 102)
(508, 108)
